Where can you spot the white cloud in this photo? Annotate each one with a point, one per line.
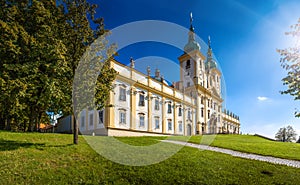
(262, 98)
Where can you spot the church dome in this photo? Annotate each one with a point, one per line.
(191, 46)
(210, 64)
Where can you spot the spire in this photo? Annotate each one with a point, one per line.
(209, 51)
(191, 22)
(192, 44)
(211, 63)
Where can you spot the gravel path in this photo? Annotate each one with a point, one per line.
(274, 160)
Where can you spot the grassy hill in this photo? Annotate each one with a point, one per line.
(252, 144)
(32, 158)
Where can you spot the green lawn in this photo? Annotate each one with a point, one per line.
(32, 158)
(253, 144)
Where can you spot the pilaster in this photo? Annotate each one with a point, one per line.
(163, 115)
(149, 112)
(133, 108)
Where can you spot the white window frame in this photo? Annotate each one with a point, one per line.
(122, 117)
(122, 93)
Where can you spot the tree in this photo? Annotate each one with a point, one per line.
(290, 61)
(78, 36)
(41, 44)
(286, 134)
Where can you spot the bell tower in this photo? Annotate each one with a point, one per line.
(192, 67)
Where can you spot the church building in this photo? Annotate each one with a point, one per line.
(146, 104)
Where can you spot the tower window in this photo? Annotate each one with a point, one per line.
(188, 64)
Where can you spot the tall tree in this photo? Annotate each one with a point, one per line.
(78, 36)
(33, 60)
(41, 44)
(290, 61)
(286, 134)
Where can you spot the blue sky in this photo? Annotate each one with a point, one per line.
(245, 35)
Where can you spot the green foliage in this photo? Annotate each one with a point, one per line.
(32, 158)
(290, 61)
(41, 43)
(286, 134)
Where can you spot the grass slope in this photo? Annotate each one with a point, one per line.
(32, 158)
(253, 144)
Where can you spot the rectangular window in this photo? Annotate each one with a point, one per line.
(101, 117)
(142, 120)
(202, 100)
(180, 126)
(169, 108)
(189, 115)
(142, 100)
(208, 114)
(156, 122)
(188, 64)
(91, 119)
(202, 112)
(82, 121)
(179, 111)
(156, 104)
(169, 124)
(122, 96)
(208, 103)
(122, 117)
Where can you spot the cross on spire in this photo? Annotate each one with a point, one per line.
(209, 42)
(191, 22)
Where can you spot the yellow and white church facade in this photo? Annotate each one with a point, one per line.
(145, 104)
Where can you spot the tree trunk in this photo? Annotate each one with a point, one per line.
(7, 124)
(75, 130)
